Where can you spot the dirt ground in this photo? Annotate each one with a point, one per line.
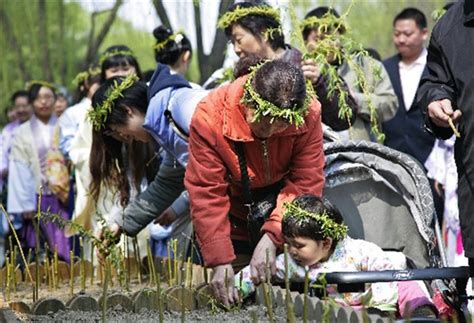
(119, 315)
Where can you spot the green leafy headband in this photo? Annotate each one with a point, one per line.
(177, 37)
(113, 53)
(39, 82)
(327, 24)
(83, 76)
(98, 115)
(329, 227)
(233, 16)
(264, 108)
(270, 33)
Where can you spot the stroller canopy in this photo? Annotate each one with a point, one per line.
(384, 197)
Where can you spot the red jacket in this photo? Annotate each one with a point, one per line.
(213, 175)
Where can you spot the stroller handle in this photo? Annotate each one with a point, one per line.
(396, 275)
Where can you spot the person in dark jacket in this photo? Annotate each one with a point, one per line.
(405, 132)
(447, 97)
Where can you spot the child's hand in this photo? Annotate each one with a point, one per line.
(258, 270)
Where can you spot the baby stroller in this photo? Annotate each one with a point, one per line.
(385, 198)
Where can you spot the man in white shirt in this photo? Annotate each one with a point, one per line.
(405, 132)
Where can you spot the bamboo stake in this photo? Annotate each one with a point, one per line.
(47, 268)
(55, 267)
(169, 264)
(150, 276)
(71, 272)
(104, 293)
(289, 306)
(305, 296)
(37, 246)
(82, 265)
(267, 302)
(137, 259)
(192, 261)
(189, 273)
(268, 276)
(102, 273)
(183, 304)
(122, 266)
(175, 261)
(110, 278)
(7, 261)
(18, 242)
(28, 259)
(160, 302)
(92, 263)
(126, 253)
(11, 245)
(14, 268)
(152, 264)
(254, 316)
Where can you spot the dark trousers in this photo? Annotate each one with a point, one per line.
(471, 267)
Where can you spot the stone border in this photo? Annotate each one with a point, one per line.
(196, 298)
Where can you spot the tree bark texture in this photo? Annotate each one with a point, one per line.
(96, 41)
(43, 38)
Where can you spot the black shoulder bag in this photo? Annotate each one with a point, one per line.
(258, 210)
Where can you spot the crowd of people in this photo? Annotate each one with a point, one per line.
(232, 170)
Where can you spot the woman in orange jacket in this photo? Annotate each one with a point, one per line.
(278, 125)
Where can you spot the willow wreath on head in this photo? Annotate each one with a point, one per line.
(81, 77)
(326, 24)
(231, 17)
(98, 115)
(177, 37)
(329, 227)
(294, 115)
(113, 53)
(29, 84)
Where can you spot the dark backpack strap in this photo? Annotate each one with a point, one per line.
(244, 175)
(174, 125)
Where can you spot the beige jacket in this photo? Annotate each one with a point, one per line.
(382, 96)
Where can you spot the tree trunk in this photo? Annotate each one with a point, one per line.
(62, 45)
(7, 30)
(95, 42)
(161, 11)
(43, 38)
(209, 63)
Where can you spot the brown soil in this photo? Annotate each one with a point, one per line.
(118, 315)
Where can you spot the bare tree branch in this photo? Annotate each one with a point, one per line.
(209, 63)
(43, 38)
(94, 43)
(161, 11)
(8, 32)
(62, 46)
